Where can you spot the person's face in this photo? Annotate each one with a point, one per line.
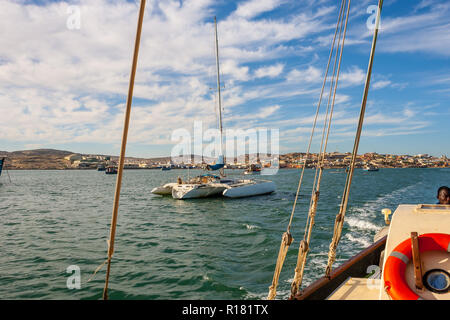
(444, 197)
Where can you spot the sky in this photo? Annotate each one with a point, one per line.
(65, 66)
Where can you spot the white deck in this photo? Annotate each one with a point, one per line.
(357, 289)
(406, 219)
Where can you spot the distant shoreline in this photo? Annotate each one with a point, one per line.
(159, 169)
(50, 159)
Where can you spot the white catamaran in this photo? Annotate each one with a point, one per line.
(212, 185)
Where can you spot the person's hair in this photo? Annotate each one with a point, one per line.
(443, 188)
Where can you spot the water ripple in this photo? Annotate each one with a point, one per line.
(166, 249)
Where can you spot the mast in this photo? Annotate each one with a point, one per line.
(218, 85)
(123, 148)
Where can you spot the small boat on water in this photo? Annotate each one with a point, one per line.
(101, 167)
(111, 170)
(371, 168)
(2, 161)
(253, 169)
(166, 168)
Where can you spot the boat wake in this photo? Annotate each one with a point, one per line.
(363, 222)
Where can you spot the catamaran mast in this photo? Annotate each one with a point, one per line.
(218, 84)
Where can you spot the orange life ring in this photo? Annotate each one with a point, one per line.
(394, 269)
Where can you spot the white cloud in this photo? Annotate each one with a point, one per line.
(352, 77)
(427, 31)
(381, 84)
(253, 8)
(270, 71)
(62, 86)
(311, 74)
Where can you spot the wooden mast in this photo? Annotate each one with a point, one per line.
(123, 148)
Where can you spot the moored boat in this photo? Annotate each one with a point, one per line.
(248, 188)
(210, 185)
(199, 187)
(111, 170)
(193, 191)
(2, 161)
(253, 169)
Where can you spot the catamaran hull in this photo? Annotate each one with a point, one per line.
(188, 191)
(249, 190)
(165, 190)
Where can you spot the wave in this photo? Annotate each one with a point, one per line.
(360, 240)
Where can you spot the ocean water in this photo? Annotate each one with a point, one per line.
(213, 248)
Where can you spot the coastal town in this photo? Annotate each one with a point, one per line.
(49, 159)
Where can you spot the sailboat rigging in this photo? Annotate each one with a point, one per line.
(220, 163)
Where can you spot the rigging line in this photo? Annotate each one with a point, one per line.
(286, 237)
(333, 101)
(335, 80)
(334, 95)
(343, 207)
(315, 118)
(304, 245)
(320, 155)
(123, 148)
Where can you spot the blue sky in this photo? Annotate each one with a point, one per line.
(66, 88)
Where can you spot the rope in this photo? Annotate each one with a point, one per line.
(305, 243)
(285, 243)
(287, 237)
(339, 220)
(97, 270)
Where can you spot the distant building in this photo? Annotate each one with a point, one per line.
(73, 157)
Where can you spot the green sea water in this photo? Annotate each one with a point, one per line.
(213, 248)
